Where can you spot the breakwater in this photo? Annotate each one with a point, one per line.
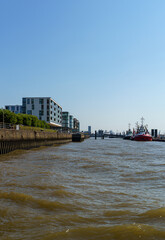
(11, 140)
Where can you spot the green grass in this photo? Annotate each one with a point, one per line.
(36, 129)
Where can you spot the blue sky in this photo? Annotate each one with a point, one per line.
(101, 60)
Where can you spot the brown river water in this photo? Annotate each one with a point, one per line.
(98, 189)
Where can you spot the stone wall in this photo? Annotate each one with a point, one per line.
(11, 140)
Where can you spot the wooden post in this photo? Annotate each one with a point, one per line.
(95, 135)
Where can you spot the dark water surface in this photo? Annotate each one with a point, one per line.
(97, 189)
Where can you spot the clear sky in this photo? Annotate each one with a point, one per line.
(101, 60)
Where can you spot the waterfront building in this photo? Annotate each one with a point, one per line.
(76, 125)
(71, 121)
(14, 108)
(45, 108)
(65, 120)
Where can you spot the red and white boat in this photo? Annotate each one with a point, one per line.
(142, 133)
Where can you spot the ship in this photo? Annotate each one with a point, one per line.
(129, 133)
(142, 133)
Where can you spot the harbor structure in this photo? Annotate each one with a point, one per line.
(14, 108)
(45, 108)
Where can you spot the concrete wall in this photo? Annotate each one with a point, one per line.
(12, 139)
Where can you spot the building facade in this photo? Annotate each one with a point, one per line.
(45, 108)
(69, 122)
(14, 108)
(89, 129)
(76, 125)
(65, 119)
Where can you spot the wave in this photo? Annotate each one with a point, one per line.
(46, 187)
(115, 213)
(63, 193)
(119, 232)
(155, 213)
(21, 198)
(148, 216)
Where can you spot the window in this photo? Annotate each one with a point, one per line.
(47, 101)
(48, 113)
(28, 101)
(33, 107)
(29, 112)
(41, 100)
(51, 112)
(42, 107)
(41, 112)
(24, 101)
(48, 119)
(32, 101)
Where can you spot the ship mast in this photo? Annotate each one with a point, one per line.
(142, 119)
(129, 126)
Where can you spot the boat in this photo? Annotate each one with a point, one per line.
(129, 133)
(142, 133)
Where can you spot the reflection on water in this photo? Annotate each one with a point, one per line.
(97, 189)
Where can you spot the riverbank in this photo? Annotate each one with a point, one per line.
(11, 140)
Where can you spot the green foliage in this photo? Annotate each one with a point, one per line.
(19, 118)
(7, 116)
(25, 119)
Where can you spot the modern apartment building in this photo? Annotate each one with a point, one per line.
(69, 122)
(65, 120)
(45, 108)
(76, 125)
(14, 108)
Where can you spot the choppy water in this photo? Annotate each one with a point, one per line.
(98, 189)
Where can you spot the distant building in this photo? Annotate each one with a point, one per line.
(89, 129)
(45, 108)
(14, 108)
(100, 133)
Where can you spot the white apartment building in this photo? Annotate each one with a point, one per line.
(14, 108)
(45, 108)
